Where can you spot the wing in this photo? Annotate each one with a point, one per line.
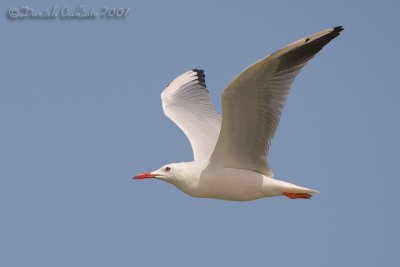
(252, 104)
(187, 103)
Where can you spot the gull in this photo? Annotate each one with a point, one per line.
(230, 153)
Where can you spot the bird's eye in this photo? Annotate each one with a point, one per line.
(167, 169)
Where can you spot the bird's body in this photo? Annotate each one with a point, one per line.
(229, 183)
(230, 153)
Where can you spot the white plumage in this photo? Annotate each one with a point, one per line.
(230, 155)
(187, 103)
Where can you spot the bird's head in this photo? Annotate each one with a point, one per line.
(169, 173)
(183, 175)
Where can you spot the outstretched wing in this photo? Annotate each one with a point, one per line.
(252, 104)
(186, 102)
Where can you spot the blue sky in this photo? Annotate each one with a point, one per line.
(80, 113)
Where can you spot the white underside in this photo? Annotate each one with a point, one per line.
(237, 185)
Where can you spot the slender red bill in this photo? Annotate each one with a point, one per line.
(145, 175)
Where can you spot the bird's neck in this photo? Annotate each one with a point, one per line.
(190, 174)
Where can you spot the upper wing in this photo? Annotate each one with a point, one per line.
(187, 103)
(252, 104)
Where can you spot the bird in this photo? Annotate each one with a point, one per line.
(230, 151)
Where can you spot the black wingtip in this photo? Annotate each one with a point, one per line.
(301, 54)
(201, 77)
(338, 28)
(198, 70)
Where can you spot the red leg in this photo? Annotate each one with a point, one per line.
(297, 195)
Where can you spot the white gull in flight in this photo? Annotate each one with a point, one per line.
(230, 154)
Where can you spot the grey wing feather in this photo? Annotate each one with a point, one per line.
(253, 102)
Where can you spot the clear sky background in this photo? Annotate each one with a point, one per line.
(80, 114)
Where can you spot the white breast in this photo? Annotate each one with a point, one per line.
(233, 184)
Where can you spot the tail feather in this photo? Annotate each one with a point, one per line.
(292, 188)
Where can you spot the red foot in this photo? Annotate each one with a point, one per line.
(297, 195)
